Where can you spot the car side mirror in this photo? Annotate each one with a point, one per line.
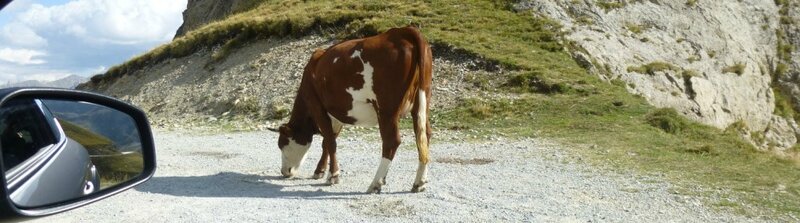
(62, 149)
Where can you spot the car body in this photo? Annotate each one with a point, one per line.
(64, 172)
(47, 165)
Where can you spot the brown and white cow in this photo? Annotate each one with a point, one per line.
(365, 82)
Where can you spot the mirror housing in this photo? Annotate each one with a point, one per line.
(10, 211)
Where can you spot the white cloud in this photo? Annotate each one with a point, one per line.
(96, 70)
(22, 35)
(108, 21)
(84, 37)
(47, 76)
(17, 5)
(28, 73)
(21, 56)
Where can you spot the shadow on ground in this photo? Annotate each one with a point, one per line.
(230, 184)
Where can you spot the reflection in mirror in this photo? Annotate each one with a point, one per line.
(56, 150)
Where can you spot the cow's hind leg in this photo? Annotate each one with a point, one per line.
(391, 140)
(422, 130)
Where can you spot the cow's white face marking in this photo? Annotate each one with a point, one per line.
(380, 176)
(335, 59)
(293, 155)
(362, 109)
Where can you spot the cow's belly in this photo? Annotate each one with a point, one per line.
(364, 114)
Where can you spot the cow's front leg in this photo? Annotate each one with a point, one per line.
(329, 144)
(380, 176)
(321, 165)
(330, 152)
(391, 140)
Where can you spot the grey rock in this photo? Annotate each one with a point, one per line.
(201, 12)
(705, 38)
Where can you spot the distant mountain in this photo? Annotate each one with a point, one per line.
(67, 82)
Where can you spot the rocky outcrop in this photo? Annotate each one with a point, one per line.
(710, 60)
(201, 12)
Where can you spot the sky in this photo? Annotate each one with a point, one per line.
(51, 39)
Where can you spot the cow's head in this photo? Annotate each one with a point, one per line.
(294, 147)
(295, 137)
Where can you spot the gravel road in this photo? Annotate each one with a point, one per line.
(234, 177)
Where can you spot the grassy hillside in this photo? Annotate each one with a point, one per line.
(94, 143)
(553, 96)
(112, 166)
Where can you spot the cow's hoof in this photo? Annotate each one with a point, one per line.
(318, 176)
(374, 189)
(418, 188)
(333, 180)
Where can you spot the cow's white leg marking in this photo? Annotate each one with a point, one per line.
(333, 178)
(362, 110)
(380, 177)
(422, 178)
(292, 157)
(422, 143)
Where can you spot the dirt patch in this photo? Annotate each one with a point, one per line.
(215, 155)
(382, 207)
(462, 161)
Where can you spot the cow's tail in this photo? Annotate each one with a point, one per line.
(422, 87)
(420, 109)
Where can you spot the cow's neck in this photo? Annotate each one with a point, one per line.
(300, 121)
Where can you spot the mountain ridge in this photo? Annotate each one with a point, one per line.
(70, 82)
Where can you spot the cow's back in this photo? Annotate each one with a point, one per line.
(357, 79)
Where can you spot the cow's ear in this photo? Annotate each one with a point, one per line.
(285, 130)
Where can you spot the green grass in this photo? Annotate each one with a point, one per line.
(555, 97)
(584, 20)
(737, 68)
(693, 58)
(610, 5)
(689, 74)
(784, 104)
(653, 67)
(636, 28)
(95, 144)
(118, 168)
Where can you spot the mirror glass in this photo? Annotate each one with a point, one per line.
(56, 150)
